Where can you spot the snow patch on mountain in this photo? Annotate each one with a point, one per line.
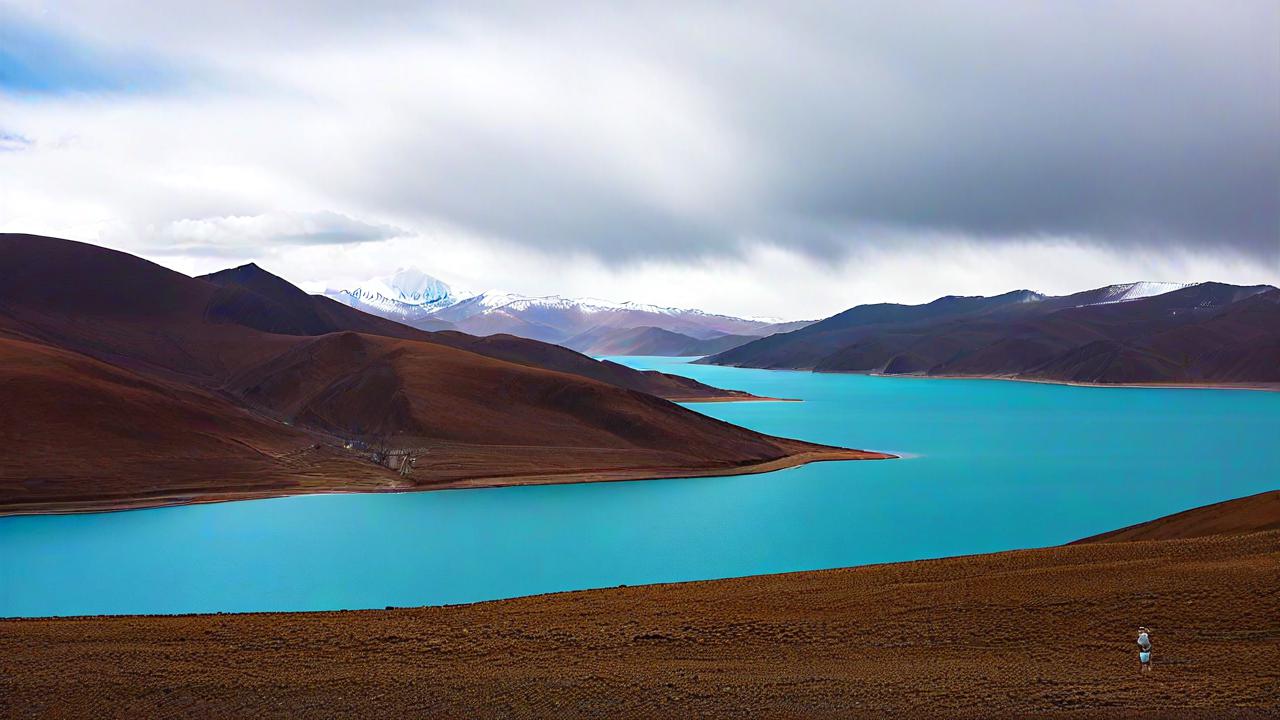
(412, 296)
(414, 287)
(499, 300)
(1137, 291)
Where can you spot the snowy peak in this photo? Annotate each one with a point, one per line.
(405, 295)
(418, 299)
(407, 286)
(1137, 291)
(412, 286)
(492, 300)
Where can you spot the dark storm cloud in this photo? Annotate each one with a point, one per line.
(1127, 124)
(1151, 125)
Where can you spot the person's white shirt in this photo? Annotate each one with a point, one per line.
(1144, 642)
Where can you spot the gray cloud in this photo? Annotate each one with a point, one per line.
(688, 129)
(12, 142)
(240, 236)
(1114, 122)
(1139, 124)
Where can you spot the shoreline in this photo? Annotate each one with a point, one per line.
(1255, 387)
(795, 459)
(939, 638)
(1245, 508)
(731, 398)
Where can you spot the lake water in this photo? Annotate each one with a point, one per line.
(992, 466)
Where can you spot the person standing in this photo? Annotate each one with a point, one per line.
(1144, 648)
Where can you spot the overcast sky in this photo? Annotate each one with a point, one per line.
(781, 159)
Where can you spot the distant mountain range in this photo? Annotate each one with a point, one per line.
(590, 325)
(1133, 333)
(650, 341)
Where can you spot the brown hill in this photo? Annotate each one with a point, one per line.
(130, 312)
(651, 341)
(406, 392)
(1209, 333)
(277, 301)
(254, 297)
(554, 357)
(1233, 517)
(82, 434)
(159, 388)
(119, 309)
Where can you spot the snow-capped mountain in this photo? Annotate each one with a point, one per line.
(555, 318)
(408, 295)
(514, 303)
(416, 298)
(1135, 291)
(415, 287)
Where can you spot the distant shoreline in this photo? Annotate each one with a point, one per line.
(1262, 387)
(1259, 387)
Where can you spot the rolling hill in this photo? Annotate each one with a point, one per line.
(1204, 333)
(123, 384)
(260, 295)
(651, 341)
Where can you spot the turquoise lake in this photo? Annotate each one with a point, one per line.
(990, 466)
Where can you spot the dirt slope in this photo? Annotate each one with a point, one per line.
(553, 357)
(374, 387)
(82, 434)
(651, 341)
(1233, 517)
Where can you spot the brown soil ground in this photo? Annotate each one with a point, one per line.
(1035, 633)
